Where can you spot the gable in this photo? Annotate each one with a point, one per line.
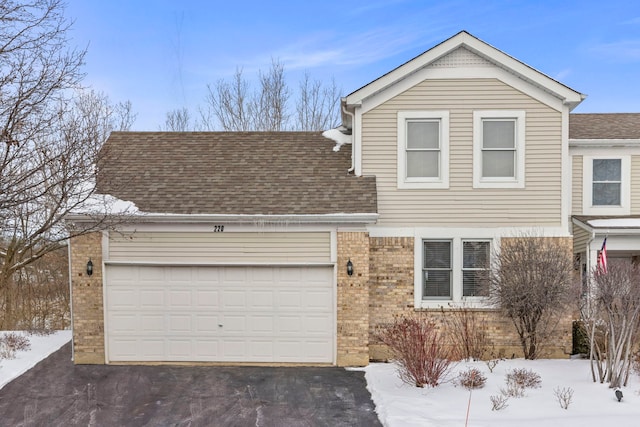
(462, 56)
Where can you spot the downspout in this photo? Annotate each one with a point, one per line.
(70, 296)
(353, 139)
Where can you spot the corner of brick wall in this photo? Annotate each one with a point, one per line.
(391, 290)
(353, 299)
(86, 297)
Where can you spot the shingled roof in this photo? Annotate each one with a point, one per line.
(604, 126)
(244, 173)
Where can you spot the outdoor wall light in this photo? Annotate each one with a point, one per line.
(89, 267)
(349, 267)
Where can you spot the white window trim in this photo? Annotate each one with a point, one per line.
(520, 118)
(587, 187)
(456, 271)
(438, 182)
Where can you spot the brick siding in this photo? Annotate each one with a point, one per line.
(86, 300)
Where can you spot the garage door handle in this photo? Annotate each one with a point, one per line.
(220, 325)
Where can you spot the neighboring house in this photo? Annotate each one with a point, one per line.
(605, 153)
(241, 248)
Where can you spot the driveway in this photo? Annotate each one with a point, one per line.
(58, 393)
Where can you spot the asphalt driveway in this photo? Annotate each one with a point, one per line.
(58, 393)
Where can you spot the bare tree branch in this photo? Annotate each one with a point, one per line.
(531, 281)
(51, 132)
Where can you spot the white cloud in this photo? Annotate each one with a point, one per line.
(623, 50)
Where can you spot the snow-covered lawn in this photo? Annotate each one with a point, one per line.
(41, 347)
(401, 405)
(593, 404)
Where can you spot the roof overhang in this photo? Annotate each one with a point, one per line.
(156, 218)
(604, 143)
(613, 226)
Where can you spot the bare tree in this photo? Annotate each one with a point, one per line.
(178, 120)
(532, 283)
(317, 106)
(50, 133)
(235, 106)
(269, 108)
(229, 103)
(613, 321)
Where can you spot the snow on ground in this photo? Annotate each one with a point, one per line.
(41, 347)
(593, 404)
(401, 405)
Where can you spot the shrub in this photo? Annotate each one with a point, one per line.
(467, 331)
(580, 338)
(520, 379)
(564, 396)
(498, 402)
(471, 378)
(422, 355)
(11, 342)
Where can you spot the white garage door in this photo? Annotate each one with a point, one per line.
(228, 314)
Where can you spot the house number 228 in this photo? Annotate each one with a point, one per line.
(218, 228)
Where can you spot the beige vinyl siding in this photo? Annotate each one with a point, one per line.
(538, 204)
(580, 239)
(635, 185)
(576, 185)
(233, 248)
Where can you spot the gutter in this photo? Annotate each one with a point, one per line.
(339, 218)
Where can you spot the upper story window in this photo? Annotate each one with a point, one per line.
(423, 149)
(498, 149)
(606, 189)
(606, 182)
(454, 269)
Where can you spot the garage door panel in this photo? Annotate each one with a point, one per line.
(120, 323)
(207, 299)
(152, 299)
(179, 349)
(180, 298)
(234, 299)
(180, 323)
(152, 324)
(123, 299)
(242, 314)
(206, 324)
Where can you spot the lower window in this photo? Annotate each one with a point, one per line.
(455, 269)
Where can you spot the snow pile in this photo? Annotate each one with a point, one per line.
(593, 404)
(339, 137)
(616, 222)
(100, 204)
(41, 347)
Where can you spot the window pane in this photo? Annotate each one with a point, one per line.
(475, 254)
(607, 169)
(474, 283)
(475, 264)
(437, 254)
(423, 134)
(498, 134)
(498, 164)
(423, 164)
(606, 194)
(437, 283)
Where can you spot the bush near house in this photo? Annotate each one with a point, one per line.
(422, 354)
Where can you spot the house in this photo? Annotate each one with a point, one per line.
(276, 248)
(605, 156)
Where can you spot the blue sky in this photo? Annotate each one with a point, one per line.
(161, 54)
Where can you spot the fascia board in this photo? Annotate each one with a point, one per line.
(568, 96)
(344, 218)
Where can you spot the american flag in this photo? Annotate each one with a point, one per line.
(602, 258)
